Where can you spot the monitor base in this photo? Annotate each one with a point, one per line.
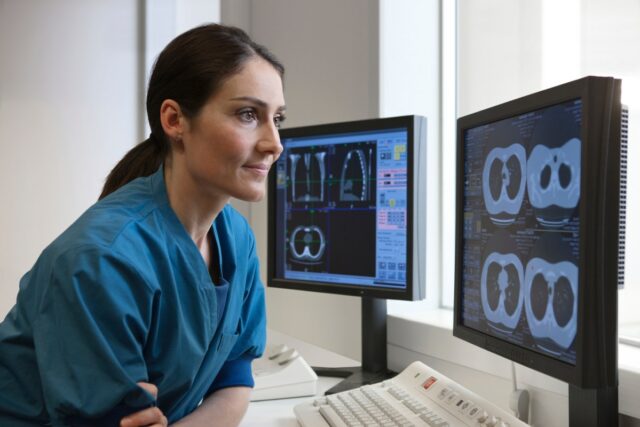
(353, 377)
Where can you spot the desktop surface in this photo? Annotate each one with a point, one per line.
(279, 413)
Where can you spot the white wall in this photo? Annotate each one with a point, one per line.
(68, 111)
(73, 78)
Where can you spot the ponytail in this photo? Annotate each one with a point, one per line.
(142, 160)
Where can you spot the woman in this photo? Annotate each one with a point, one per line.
(151, 302)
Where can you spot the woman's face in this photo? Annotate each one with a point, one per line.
(233, 141)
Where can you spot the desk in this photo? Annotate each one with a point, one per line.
(279, 413)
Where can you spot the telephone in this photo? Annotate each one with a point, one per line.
(282, 373)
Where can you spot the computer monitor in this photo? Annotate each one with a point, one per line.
(346, 203)
(540, 231)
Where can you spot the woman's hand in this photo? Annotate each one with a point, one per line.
(150, 417)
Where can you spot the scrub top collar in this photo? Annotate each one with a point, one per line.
(175, 227)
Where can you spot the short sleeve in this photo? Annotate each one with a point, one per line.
(250, 344)
(89, 335)
(253, 317)
(234, 373)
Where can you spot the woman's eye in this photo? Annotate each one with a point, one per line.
(279, 119)
(248, 116)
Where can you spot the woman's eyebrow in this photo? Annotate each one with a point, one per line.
(257, 101)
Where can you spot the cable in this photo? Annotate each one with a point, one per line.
(519, 399)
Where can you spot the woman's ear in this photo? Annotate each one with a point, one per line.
(172, 120)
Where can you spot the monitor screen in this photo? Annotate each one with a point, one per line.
(521, 235)
(342, 210)
(539, 229)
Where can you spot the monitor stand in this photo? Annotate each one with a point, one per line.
(593, 407)
(374, 350)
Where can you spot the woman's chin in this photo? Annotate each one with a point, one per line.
(251, 196)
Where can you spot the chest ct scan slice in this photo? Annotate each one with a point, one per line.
(500, 289)
(503, 183)
(551, 305)
(553, 181)
(307, 244)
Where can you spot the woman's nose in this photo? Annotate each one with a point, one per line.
(270, 140)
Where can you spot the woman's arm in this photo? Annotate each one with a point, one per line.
(92, 316)
(224, 407)
(150, 417)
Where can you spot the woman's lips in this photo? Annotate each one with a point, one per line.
(261, 169)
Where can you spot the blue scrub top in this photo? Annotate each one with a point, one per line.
(123, 296)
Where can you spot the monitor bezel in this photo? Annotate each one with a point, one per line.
(597, 304)
(412, 291)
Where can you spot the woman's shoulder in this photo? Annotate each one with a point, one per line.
(111, 218)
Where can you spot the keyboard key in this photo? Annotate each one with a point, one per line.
(330, 416)
(452, 398)
(427, 418)
(321, 401)
(444, 393)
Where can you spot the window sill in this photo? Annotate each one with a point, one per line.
(412, 329)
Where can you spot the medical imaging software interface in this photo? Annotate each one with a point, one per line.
(342, 209)
(521, 229)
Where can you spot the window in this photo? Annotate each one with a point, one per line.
(417, 76)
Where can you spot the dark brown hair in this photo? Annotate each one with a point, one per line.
(189, 71)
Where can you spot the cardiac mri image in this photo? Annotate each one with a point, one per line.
(553, 167)
(501, 284)
(308, 175)
(551, 289)
(503, 175)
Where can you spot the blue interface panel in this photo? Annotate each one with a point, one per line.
(341, 206)
(521, 235)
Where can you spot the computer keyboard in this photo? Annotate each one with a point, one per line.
(418, 396)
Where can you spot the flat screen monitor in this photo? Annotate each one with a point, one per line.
(346, 201)
(540, 215)
(346, 206)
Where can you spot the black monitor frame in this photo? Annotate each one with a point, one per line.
(415, 288)
(599, 210)
(374, 305)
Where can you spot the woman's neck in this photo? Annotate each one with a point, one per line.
(195, 208)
